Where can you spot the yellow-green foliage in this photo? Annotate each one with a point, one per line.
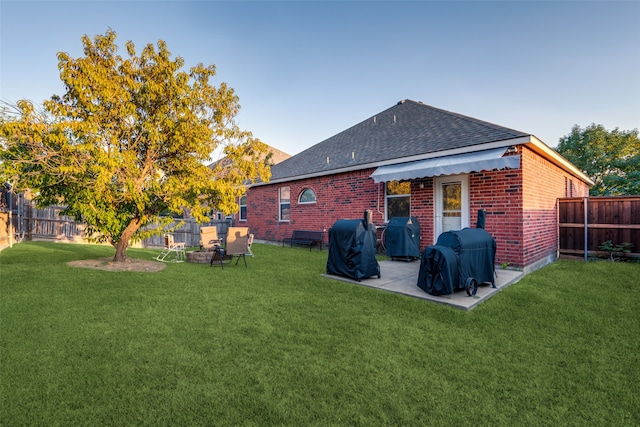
(129, 140)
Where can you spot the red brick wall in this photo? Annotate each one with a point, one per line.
(347, 196)
(520, 206)
(544, 183)
(341, 196)
(499, 193)
(422, 207)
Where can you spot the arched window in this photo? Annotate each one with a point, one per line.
(307, 196)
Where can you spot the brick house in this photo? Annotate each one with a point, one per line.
(441, 167)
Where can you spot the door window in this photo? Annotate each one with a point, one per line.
(451, 206)
(451, 203)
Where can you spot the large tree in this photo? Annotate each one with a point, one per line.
(610, 158)
(129, 141)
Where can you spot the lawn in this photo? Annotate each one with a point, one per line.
(278, 344)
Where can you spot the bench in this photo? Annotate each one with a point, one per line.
(305, 237)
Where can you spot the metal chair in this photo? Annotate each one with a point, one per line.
(249, 243)
(172, 248)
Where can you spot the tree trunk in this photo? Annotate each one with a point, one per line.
(123, 243)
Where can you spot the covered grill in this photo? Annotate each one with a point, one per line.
(459, 260)
(402, 238)
(352, 249)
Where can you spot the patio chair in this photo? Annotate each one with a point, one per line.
(209, 238)
(172, 250)
(238, 243)
(249, 243)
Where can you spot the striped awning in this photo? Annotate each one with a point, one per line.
(447, 165)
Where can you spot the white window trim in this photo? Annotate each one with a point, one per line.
(280, 219)
(393, 196)
(245, 208)
(307, 203)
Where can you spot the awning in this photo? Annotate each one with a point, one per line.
(447, 165)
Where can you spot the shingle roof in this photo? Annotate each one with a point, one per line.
(277, 156)
(407, 129)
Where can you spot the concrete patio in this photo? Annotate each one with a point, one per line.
(402, 277)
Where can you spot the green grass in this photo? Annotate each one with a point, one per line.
(277, 344)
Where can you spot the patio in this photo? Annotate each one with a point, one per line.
(402, 277)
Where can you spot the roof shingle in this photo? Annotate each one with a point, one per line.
(407, 129)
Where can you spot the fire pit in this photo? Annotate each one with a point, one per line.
(203, 257)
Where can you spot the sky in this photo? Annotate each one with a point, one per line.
(305, 71)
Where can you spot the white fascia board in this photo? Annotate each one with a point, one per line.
(313, 175)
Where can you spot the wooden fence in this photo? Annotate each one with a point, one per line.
(48, 224)
(10, 224)
(588, 222)
(582, 223)
(5, 229)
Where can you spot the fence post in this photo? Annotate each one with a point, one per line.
(9, 188)
(586, 229)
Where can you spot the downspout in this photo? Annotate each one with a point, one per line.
(380, 184)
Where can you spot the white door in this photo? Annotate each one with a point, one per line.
(451, 203)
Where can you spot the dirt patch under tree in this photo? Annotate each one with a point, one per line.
(108, 264)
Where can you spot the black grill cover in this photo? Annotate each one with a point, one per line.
(438, 271)
(476, 250)
(402, 238)
(456, 257)
(482, 218)
(352, 249)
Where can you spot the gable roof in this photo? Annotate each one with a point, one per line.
(277, 156)
(407, 131)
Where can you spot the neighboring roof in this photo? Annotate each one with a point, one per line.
(277, 156)
(407, 131)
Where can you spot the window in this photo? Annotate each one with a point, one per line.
(451, 203)
(568, 187)
(398, 199)
(243, 208)
(571, 188)
(284, 202)
(307, 196)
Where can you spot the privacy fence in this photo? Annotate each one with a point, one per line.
(24, 221)
(582, 223)
(586, 223)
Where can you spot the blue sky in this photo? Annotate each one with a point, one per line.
(306, 70)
